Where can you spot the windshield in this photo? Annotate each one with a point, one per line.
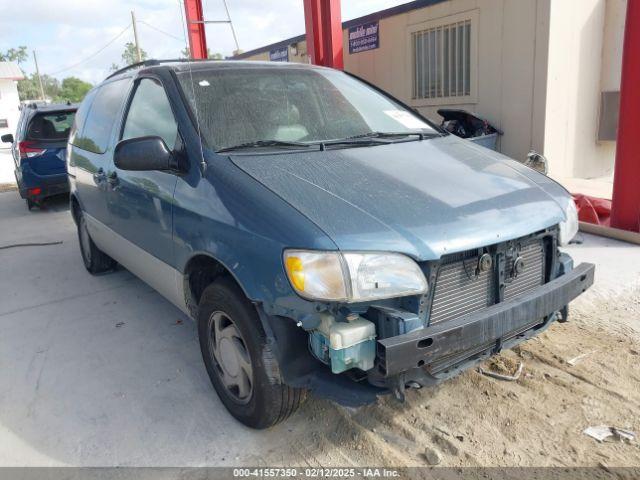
(248, 105)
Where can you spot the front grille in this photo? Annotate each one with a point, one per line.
(460, 289)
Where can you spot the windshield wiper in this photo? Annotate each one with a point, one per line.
(376, 138)
(420, 135)
(264, 143)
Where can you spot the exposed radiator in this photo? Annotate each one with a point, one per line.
(533, 274)
(459, 289)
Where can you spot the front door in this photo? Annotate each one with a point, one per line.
(142, 201)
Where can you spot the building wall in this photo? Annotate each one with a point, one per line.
(512, 38)
(9, 104)
(584, 59)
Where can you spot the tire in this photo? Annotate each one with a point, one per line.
(94, 259)
(240, 363)
(30, 204)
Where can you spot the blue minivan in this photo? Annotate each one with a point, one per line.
(39, 150)
(324, 236)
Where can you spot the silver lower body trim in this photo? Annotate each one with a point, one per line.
(161, 276)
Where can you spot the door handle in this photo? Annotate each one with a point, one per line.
(99, 176)
(112, 178)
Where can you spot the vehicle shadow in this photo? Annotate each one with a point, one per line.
(56, 203)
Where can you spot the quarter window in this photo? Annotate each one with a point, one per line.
(150, 114)
(442, 61)
(81, 116)
(106, 105)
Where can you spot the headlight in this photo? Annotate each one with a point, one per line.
(353, 277)
(569, 227)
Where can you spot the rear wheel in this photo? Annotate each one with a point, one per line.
(94, 259)
(30, 204)
(239, 361)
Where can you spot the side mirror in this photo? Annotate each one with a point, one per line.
(143, 153)
(7, 138)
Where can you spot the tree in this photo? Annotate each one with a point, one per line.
(29, 89)
(130, 54)
(186, 53)
(73, 90)
(18, 55)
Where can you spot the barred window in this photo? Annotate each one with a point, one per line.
(442, 61)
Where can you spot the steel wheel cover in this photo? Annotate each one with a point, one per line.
(231, 357)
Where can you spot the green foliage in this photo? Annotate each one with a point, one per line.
(186, 53)
(130, 54)
(29, 89)
(18, 55)
(73, 89)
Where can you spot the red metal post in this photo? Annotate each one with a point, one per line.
(195, 28)
(323, 22)
(625, 205)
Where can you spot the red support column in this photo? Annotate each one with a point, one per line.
(323, 22)
(195, 28)
(625, 205)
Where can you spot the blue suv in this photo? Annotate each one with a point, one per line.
(39, 150)
(323, 235)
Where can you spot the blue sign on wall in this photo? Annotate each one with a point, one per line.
(279, 54)
(364, 37)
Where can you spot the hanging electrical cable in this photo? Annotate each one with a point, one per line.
(153, 27)
(86, 59)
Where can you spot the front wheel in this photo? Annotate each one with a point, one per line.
(240, 364)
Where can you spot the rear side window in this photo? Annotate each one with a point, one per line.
(96, 133)
(50, 126)
(81, 116)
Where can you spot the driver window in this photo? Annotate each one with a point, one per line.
(150, 114)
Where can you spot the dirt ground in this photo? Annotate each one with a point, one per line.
(474, 420)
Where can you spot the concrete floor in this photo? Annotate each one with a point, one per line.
(102, 371)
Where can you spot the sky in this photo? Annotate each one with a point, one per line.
(72, 37)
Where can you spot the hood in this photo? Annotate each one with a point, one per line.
(423, 198)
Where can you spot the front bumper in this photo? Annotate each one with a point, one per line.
(437, 350)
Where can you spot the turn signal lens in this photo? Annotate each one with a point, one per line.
(296, 272)
(316, 275)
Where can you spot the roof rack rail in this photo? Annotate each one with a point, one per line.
(146, 63)
(154, 62)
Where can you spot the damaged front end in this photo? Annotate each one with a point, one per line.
(472, 305)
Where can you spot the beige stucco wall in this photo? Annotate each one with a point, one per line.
(511, 41)
(615, 14)
(584, 60)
